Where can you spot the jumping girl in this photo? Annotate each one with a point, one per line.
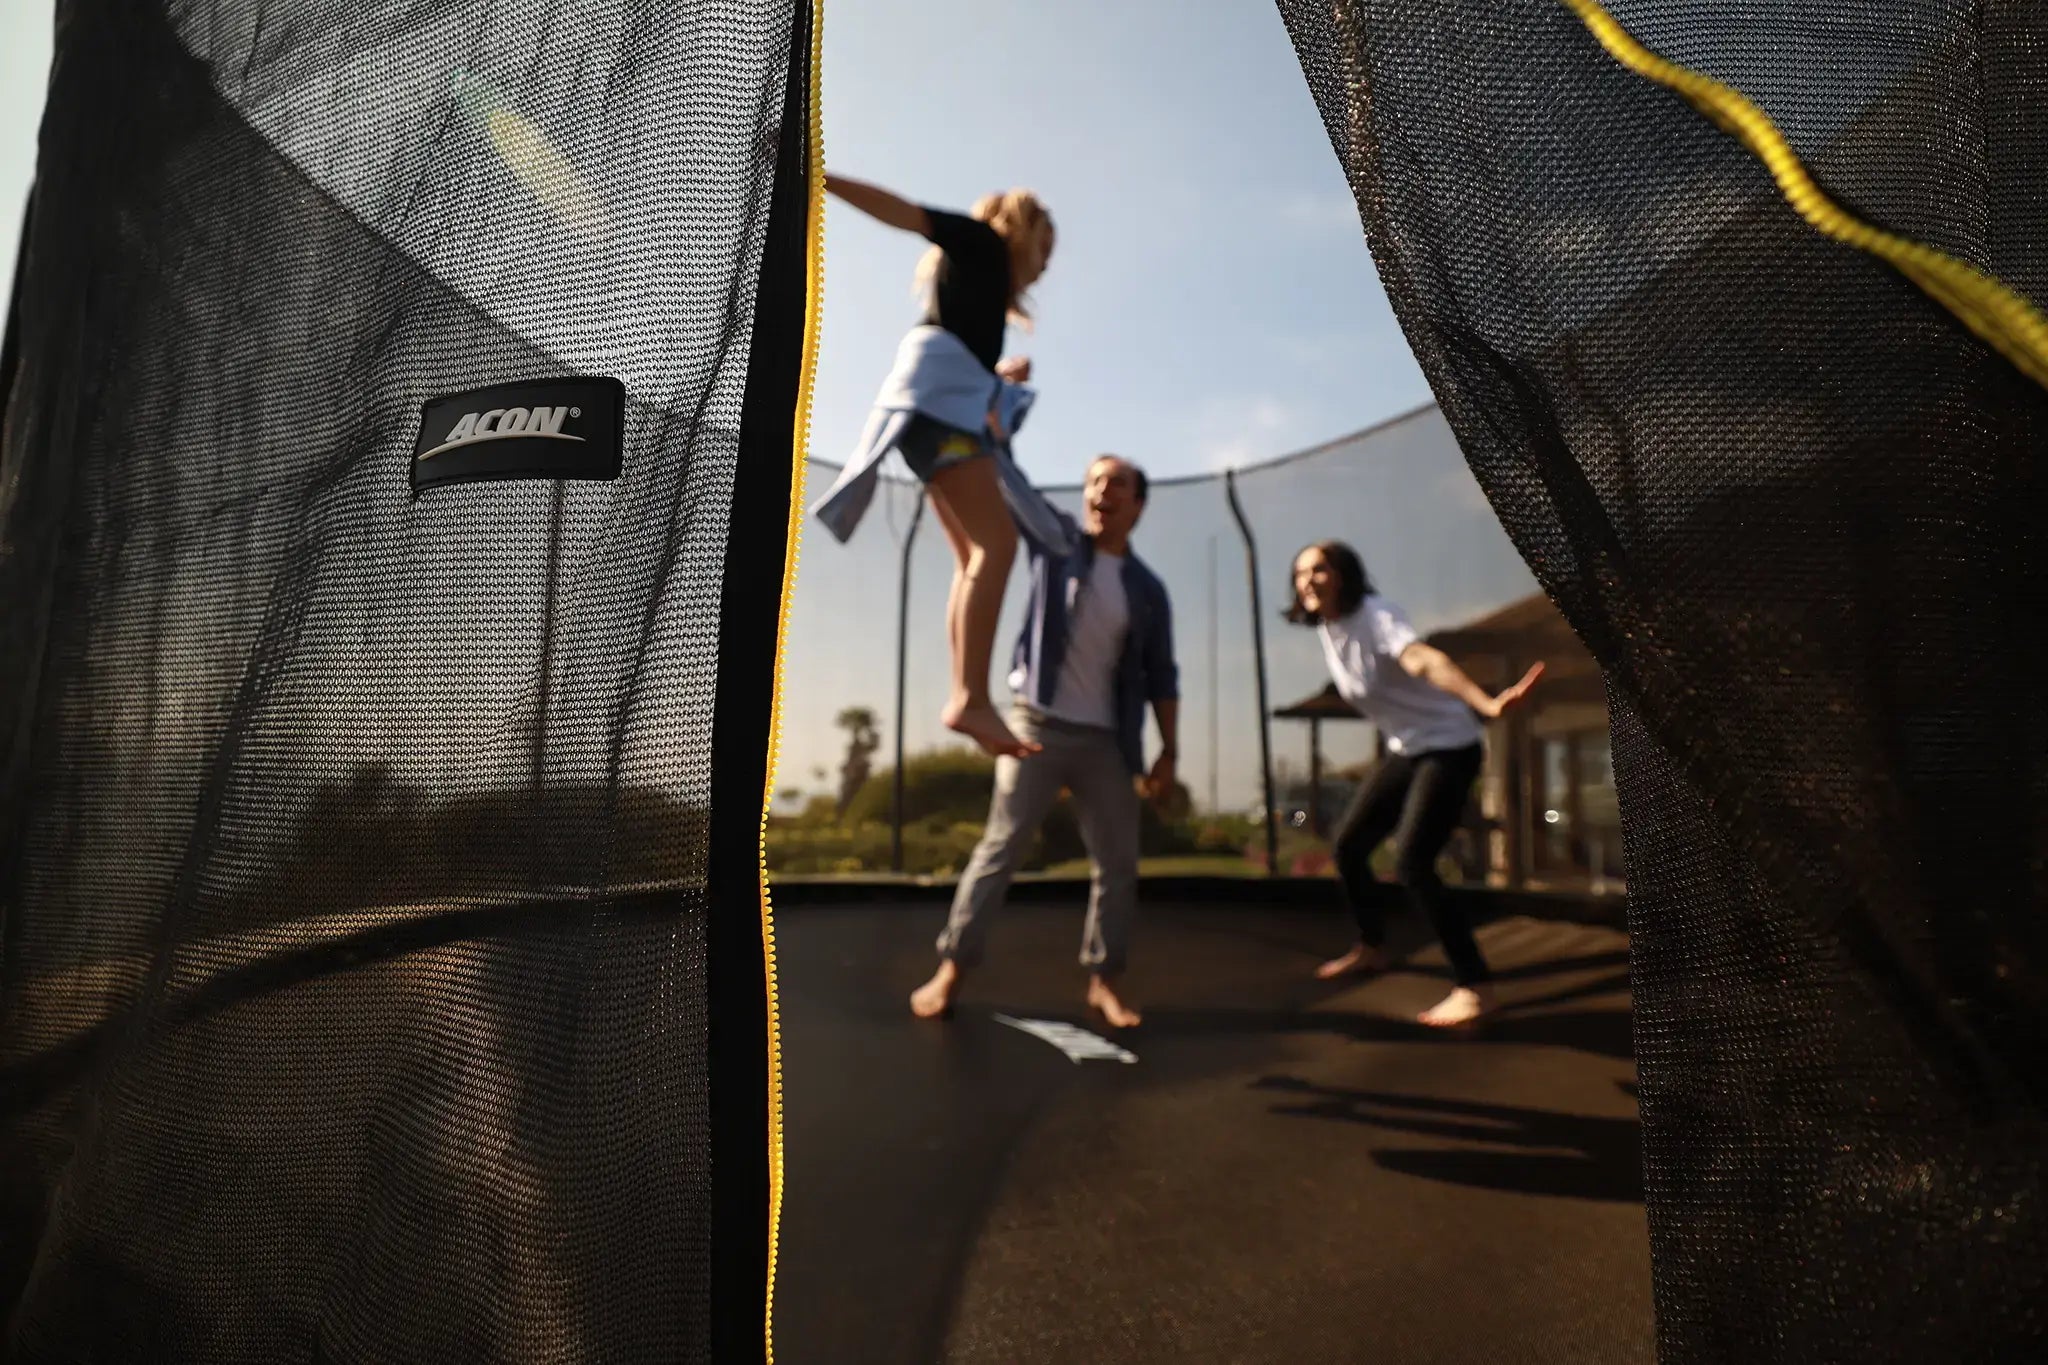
(950, 405)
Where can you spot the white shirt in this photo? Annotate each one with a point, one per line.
(1364, 654)
(1098, 618)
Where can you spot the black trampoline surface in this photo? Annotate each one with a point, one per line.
(1289, 1171)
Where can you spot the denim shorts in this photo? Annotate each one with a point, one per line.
(930, 446)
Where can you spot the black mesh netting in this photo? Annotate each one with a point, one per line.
(365, 907)
(1794, 508)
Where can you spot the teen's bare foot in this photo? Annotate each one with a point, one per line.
(1361, 959)
(982, 725)
(1104, 999)
(1462, 1006)
(934, 999)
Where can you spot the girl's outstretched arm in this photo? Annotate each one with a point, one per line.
(1432, 665)
(880, 204)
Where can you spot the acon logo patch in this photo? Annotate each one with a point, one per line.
(540, 429)
(499, 423)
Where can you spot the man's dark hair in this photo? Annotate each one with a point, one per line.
(1353, 586)
(1139, 480)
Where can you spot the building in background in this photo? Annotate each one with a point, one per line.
(1546, 795)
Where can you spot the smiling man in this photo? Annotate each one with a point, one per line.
(1096, 649)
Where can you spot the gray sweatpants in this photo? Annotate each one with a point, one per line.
(1085, 761)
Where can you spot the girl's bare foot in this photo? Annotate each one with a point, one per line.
(1462, 1006)
(1362, 959)
(934, 999)
(982, 725)
(1102, 998)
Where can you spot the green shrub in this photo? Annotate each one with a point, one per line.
(838, 850)
(950, 784)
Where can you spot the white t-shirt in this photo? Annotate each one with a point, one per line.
(1097, 620)
(1364, 654)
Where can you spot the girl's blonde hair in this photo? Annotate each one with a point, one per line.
(1013, 214)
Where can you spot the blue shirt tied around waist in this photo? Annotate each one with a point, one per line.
(1145, 672)
(935, 374)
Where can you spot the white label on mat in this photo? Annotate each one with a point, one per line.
(1078, 1043)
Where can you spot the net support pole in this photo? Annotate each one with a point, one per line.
(547, 641)
(1215, 748)
(1251, 572)
(902, 674)
(1315, 775)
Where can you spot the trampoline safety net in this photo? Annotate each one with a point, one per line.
(380, 928)
(362, 875)
(1793, 507)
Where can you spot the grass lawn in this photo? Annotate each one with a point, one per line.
(1186, 865)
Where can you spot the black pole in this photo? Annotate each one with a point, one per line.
(547, 642)
(902, 671)
(1251, 564)
(1215, 742)
(1315, 775)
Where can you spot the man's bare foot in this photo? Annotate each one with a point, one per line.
(934, 999)
(982, 725)
(1361, 959)
(1462, 1006)
(1102, 998)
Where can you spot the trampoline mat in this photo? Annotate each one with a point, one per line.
(1288, 1171)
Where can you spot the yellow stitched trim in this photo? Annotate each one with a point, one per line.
(2001, 317)
(814, 305)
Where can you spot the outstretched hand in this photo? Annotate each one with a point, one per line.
(1502, 702)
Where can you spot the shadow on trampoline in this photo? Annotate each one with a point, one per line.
(1589, 990)
(1583, 962)
(1572, 1156)
(1603, 1033)
(1530, 971)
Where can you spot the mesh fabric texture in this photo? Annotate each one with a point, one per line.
(360, 878)
(1793, 507)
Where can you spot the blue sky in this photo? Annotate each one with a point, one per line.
(24, 71)
(1212, 304)
(1212, 300)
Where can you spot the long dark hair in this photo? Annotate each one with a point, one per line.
(1353, 585)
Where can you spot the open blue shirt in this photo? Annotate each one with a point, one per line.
(1145, 672)
(935, 374)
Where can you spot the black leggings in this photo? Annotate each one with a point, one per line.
(1420, 800)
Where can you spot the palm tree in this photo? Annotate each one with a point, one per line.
(863, 738)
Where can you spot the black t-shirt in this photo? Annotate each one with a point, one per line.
(971, 295)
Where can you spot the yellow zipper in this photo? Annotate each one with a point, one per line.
(1987, 307)
(814, 288)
